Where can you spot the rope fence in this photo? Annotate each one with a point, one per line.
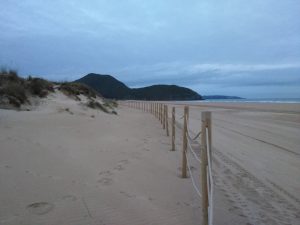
(205, 189)
(192, 178)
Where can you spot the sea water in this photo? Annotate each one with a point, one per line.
(257, 100)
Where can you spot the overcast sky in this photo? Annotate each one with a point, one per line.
(230, 47)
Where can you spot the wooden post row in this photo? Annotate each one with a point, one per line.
(173, 129)
(157, 111)
(160, 113)
(167, 121)
(164, 116)
(184, 146)
(206, 123)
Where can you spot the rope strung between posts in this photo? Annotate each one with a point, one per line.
(193, 139)
(210, 183)
(188, 131)
(189, 143)
(194, 153)
(192, 178)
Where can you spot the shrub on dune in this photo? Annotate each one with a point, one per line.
(15, 90)
(15, 93)
(97, 105)
(40, 87)
(75, 89)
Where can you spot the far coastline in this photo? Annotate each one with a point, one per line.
(256, 100)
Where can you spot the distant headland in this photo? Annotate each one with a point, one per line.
(110, 87)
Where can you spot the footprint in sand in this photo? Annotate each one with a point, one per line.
(40, 208)
(71, 198)
(105, 173)
(124, 161)
(105, 181)
(127, 195)
(120, 164)
(119, 167)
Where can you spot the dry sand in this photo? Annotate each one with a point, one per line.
(66, 167)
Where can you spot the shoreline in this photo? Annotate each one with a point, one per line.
(263, 107)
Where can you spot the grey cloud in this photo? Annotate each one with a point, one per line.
(219, 44)
(218, 74)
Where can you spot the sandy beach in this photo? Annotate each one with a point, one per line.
(256, 158)
(82, 166)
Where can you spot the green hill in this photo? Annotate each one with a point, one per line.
(109, 87)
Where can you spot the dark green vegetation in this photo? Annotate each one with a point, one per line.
(107, 85)
(76, 89)
(112, 88)
(165, 92)
(15, 90)
(97, 105)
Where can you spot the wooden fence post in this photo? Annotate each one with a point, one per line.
(206, 121)
(184, 146)
(164, 117)
(152, 107)
(167, 120)
(173, 129)
(160, 112)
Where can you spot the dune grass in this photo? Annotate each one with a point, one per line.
(16, 91)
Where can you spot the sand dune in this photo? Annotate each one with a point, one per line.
(82, 166)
